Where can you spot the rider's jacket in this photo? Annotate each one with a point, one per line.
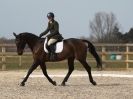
(53, 28)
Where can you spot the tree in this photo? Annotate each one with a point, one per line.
(102, 27)
(128, 37)
(6, 41)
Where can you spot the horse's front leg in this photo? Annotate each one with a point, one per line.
(43, 67)
(32, 68)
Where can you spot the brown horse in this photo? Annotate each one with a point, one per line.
(72, 49)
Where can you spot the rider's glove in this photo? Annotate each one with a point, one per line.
(40, 35)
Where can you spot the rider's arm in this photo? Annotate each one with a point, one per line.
(45, 32)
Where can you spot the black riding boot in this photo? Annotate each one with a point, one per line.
(52, 52)
(49, 51)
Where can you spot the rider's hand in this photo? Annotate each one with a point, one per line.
(40, 35)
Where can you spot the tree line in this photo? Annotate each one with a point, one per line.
(105, 28)
(6, 41)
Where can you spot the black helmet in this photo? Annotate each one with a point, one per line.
(50, 14)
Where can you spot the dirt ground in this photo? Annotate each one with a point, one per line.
(77, 87)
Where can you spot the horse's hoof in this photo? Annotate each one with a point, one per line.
(54, 83)
(94, 83)
(22, 84)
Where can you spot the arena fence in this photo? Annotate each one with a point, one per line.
(110, 53)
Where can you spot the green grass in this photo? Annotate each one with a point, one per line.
(50, 65)
(13, 63)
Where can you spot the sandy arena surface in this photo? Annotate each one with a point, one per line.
(77, 87)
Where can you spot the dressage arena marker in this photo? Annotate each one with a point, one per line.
(85, 75)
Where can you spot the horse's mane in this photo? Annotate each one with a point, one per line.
(29, 35)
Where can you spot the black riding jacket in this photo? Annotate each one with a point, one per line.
(53, 28)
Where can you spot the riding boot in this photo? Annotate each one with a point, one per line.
(49, 51)
(52, 52)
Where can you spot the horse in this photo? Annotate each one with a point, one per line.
(72, 49)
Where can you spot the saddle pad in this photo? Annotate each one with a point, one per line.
(59, 46)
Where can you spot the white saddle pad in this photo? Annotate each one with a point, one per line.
(59, 46)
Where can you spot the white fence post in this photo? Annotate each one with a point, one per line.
(127, 56)
(103, 56)
(3, 58)
(20, 60)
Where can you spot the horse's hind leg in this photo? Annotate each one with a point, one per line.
(88, 68)
(43, 67)
(70, 70)
(32, 68)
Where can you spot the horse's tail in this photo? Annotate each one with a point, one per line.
(92, 50)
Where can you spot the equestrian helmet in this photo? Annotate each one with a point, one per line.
(50, 14)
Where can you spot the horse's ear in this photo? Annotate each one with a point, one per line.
(14, 34)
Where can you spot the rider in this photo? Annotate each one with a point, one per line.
(54, 36)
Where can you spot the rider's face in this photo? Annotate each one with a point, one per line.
(50, 18)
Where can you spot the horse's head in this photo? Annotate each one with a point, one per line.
(20, 43)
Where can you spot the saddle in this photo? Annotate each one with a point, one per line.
(58, 46)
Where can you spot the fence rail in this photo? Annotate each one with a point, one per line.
(104, 50)
(126, 52)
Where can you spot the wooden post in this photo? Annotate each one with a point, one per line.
(127, 57)
(103, 56)
(20, 60)
(3, 58)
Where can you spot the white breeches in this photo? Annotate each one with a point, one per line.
(51, 41)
